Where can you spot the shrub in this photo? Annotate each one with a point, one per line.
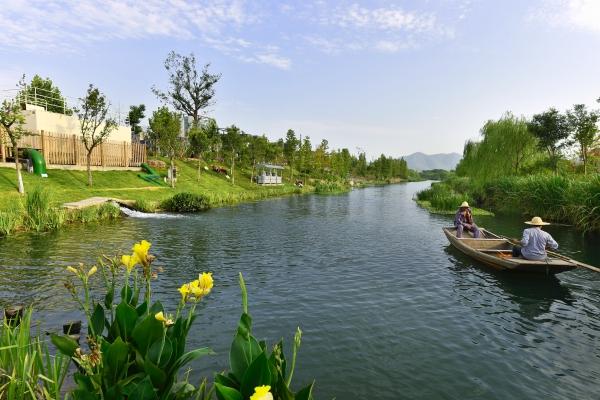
(144, 206)
(187, 202)
(331, 187)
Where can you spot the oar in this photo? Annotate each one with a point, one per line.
(554, 254)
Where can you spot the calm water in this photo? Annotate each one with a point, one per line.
(388, 310)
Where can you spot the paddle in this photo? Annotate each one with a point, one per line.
(554, 254)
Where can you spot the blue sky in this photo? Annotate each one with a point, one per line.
(386, 77)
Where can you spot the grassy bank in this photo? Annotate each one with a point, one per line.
(567, 199)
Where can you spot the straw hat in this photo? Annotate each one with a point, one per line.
(464, 204)
(536, 221)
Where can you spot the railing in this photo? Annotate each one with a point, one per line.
(60, 149)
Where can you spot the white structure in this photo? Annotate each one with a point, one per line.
(37, 119)
(268, 174)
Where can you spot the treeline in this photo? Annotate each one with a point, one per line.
(550, 141)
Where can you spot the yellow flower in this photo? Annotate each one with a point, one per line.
(141, 251)
(185, 291)
(130, 261)
(202, 286)
(262, 393)
(92, 271)
(161, 317)
(73, 270)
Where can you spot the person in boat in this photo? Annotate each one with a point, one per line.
(535, 241)
(463, 221)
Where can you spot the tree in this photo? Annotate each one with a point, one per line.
(165, 128)
(189, 91)
(585, 130)
(257, 150)
(306, 156)
(12, 123)
(290, 149)
(361, 165)
(42, 92)
(552, 130)
(94, 123)
(321, 156)
(202, 139)
(134, 117)
(232, 140)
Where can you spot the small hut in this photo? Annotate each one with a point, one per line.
(268, 174)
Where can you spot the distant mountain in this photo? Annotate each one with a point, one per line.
(421, 162)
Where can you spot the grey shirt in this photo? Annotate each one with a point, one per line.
(534, 243)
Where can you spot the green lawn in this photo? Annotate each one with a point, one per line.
(65, 186)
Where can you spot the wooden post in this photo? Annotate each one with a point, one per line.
(75, 149)
(44, 153)
(3, 150)
(102, 154)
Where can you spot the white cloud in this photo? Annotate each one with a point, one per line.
(574, 14)
(66, 26)
(269, 58)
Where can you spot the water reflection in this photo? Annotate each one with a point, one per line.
(533, 294)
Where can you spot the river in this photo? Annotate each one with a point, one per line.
(387, 309)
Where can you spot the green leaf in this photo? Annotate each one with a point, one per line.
(245, 326)
(64, 344)
(227, 393)
(143, 390)
(115, 360)
(241, 354)
(126, 294)
(109, 298)
(283, 392)
(141, 309)
(305, 393)
(146, 332)
(226, 381)
(257, 374)
(154, 351)
(157, 375)
(97, 320)
(156, 308)
(189, 356)
(126, 317)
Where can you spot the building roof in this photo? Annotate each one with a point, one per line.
(269, 166)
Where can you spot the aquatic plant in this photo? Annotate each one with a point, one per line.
(331, 187)
(255, 373)
(27, 369)
(136, 349)
(186, 202)
(11, 219)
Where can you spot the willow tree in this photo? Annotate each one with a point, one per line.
(190, 90)
(94, 122)
(12, 123)
(584, 125)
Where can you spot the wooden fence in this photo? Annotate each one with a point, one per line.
(60, 149)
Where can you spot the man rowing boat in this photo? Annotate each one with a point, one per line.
(534, 241)
(463, 221)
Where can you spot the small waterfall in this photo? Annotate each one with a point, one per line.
(138, 214)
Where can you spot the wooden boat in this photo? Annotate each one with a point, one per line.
(496, 251)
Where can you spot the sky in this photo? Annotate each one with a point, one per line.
(376, 76)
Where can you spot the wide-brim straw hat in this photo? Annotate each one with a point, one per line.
(537, 221)
(464, 204)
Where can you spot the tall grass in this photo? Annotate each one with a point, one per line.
(442, 197)
(331, 187)
(11, 219)
(27, 369)
(573, 200)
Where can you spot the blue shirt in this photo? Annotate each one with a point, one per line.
(534, 243)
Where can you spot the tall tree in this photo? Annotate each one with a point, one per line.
(134, 117)
(42, 92)
(165, 126)
(552, 130)
(12, 125)
(257, 150)
(94, 122)
(202, 139)
(584, 125)
(290, 150)
(189, 91)
(361, 165)
(232, 140)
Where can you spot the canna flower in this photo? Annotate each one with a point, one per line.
(141, 251)
(130, 261)
(73, 270)
(202, 286)
(262, 393)
(185, 291)
(161, 317)
(92, 271)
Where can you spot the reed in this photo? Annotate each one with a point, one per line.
(27, 369)
(11, 219)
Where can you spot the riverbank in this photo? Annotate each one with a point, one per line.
(573, 200)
